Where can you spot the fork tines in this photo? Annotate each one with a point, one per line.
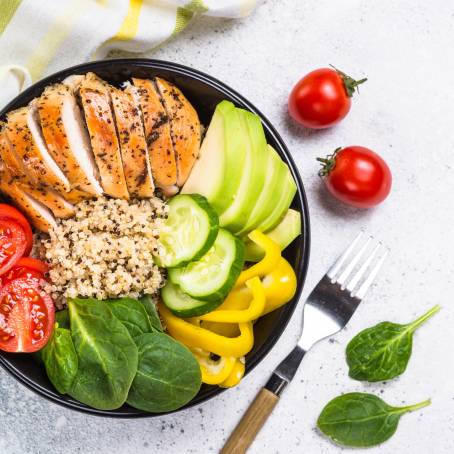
(356, 269)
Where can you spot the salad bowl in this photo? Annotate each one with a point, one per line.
(204, 92)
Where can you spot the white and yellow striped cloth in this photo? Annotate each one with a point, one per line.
(39, 37)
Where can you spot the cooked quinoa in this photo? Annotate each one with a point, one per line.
(106, 250)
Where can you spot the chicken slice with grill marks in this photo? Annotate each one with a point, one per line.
(10, 161)
(96, 103)
(24, 133)
(158, 138)
(39, 215)
(134, 152)
(67, 139)
(184, 128)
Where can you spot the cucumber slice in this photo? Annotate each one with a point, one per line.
(183, 305)
(212, 277)
(283, 234)
(189, 231)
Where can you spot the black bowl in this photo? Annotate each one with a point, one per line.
(205, 93)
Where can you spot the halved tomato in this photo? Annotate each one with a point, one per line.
(25, 267)
(12, 244)
(9, 212)
(27, 316)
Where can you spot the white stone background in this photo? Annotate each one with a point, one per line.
(405, 112)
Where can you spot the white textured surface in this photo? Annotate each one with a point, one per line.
(405, 112)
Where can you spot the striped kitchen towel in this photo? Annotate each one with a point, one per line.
(39, 37)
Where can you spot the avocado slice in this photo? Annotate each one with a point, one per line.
(287, 192)
(207, 175)
(275, 175)
(253, 173)
(283, 234)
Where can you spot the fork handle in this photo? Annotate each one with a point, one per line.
(255, 417)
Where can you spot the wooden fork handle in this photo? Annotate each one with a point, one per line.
(251, 423)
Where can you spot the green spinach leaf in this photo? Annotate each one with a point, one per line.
(62, 318)
(107, 355)
(132, 314)
(60, 359)
(361, 420)
(382, 352)
(152, 312)
(168, 375)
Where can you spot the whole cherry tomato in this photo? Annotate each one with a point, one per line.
(322, 98)
(357, 176)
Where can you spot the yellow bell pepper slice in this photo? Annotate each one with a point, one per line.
(224, 329)
(236, 374)
(269, 261)
(214, 372)
(254, 311)
(195, 336)
(279, 286)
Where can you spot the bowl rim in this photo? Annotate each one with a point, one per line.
(287, 310)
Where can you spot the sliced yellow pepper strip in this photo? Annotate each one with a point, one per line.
(224, 329)
(279, 285)
(254, 311)
(213, 372)
(269, 261)
(195, 336)
(236, 375)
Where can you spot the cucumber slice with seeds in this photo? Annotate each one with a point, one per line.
(189, 231)
(212, 277)
(183, 305)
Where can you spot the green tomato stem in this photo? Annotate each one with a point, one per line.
(419, 321)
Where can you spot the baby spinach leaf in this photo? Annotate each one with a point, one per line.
(132, 314)
(168, 375)
(361, 420)
(62, 318)
(382, 352)
(152, 312)
(106, 352)
(60, 359)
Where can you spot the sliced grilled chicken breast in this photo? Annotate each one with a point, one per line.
(51, 199)
(24, 132)
(39, 216)
(10, 161)
(184, 128)
(134, 151)
(95, 97)
(67, 139)
(158, 138)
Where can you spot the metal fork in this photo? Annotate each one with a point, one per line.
(326, 311)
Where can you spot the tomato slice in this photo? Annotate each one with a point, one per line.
(9, 212)
(27, 316)
(12, 244)
(25, 267)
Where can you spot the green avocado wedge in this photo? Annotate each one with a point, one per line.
(269, 196)
(235, 149)
(287, 192)
(253, 174)
(283, 234)
(208, 174)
